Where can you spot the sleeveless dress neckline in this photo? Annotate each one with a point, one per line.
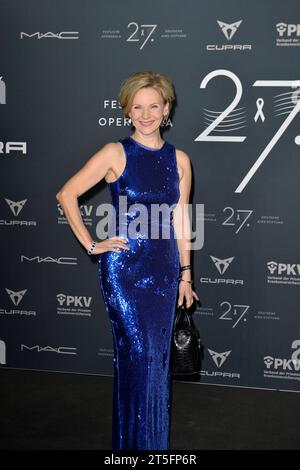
(146, 146)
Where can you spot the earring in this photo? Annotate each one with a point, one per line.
(164, 120)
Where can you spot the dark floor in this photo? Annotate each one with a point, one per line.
(49, 410)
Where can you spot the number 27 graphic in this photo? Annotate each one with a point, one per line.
(206, 137)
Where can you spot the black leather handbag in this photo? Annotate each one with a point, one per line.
(186, 344)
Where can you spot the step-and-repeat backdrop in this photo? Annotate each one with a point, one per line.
(235, 69)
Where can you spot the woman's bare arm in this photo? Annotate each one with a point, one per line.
(181, 214)
(182, 227)
(90, 174)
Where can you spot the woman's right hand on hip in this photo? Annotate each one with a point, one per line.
(111, 244)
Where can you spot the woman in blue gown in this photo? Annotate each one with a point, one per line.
(141, 260)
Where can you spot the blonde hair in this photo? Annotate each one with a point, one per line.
(137, 80)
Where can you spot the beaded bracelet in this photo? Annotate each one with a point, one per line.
(91, 249)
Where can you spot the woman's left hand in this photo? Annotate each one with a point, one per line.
(186, 292)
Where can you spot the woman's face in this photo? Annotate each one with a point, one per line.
(147, 110)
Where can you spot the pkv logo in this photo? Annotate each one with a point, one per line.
(73, 300)
(286, 269)
(85, 210)
(278, 363)
(289, 29)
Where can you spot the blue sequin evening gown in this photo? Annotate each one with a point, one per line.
(139, 288)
